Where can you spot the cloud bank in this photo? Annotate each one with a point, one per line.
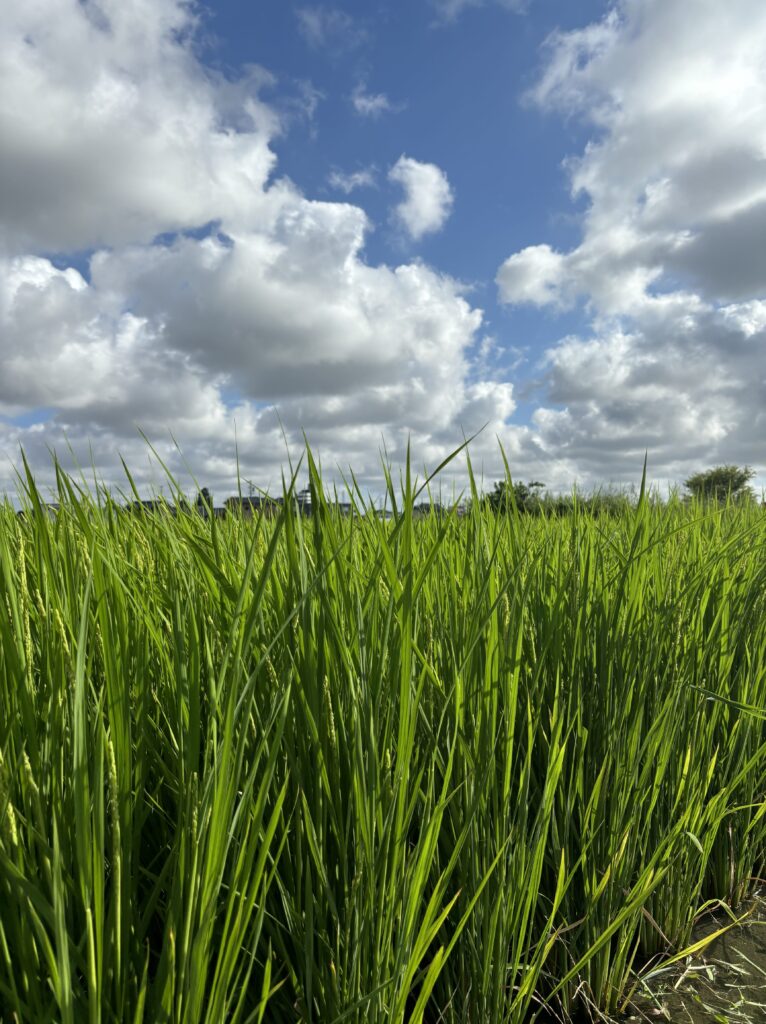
(156, 270)
(671, 266)
(211, 291)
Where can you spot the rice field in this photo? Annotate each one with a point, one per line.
(463, 769)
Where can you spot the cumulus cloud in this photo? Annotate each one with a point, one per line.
(132, 141)
(671, 265)
(292, 331)
(428, 197)
(216, 293)
(535, 275)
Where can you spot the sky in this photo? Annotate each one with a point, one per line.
(230, 228)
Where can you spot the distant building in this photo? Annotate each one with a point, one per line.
(155, 505)
(252, 505)
(303, 501)
(427, 508)
(151, 505)
(266, 505)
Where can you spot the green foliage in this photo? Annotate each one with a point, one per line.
(530, 499)
(347, 769)
(507, 495)
(721, 483)
(204, 500)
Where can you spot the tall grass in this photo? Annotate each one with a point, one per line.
(348, 769)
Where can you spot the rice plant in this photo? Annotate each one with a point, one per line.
(459, 768)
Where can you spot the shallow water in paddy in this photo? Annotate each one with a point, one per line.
(724, 984)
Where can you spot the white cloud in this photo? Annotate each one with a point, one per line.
(369, 104)
(347, 352)
(70, 348)
(428, 197)
(671, 265)
(450, 10)
(364, 178)
(129, 142)
(535, 275)
(272, 305)
(330, 28)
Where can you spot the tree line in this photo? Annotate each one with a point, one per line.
(726, 483)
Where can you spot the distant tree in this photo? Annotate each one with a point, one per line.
(608, 503)
(204, 500)
(526, 497)
(720, 483)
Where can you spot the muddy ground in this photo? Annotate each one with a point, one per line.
(723, 984)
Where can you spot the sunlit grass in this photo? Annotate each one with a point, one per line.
(349, 769)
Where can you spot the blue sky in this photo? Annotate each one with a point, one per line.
(456, 88)
(384, 222)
